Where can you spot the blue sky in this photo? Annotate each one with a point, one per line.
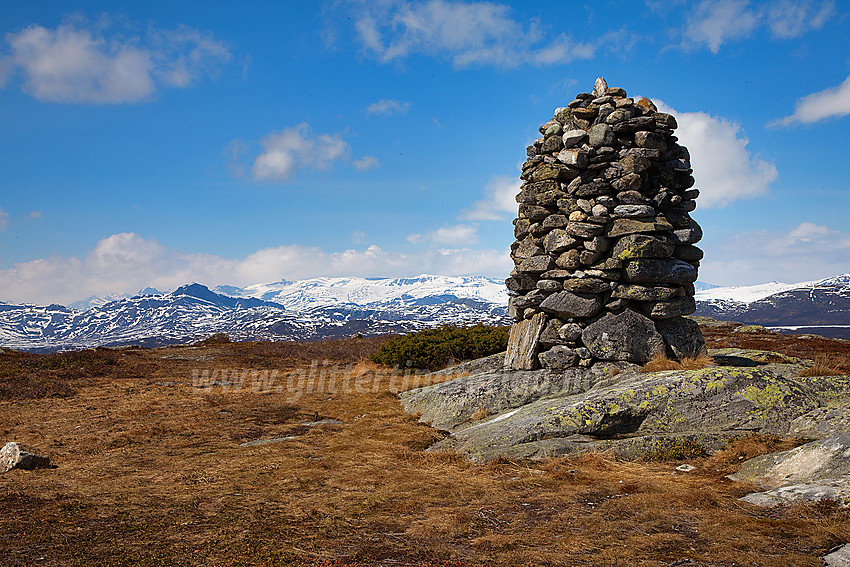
(158, 143)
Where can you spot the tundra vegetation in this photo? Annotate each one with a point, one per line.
(150, 470)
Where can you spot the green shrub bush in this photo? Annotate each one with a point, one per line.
(432, 349)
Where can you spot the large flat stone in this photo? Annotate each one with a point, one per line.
(566, 304)
(522, 343)
(667, 271)
(622, 227)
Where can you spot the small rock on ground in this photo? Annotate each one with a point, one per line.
(13, 457)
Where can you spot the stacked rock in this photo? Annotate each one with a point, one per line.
(604, 252)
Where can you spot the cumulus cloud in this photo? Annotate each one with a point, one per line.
(466, 33)
(295, 148)
(456, 234)
(388, 107)
(806, 252)
(78, 62)
(723, 166)
(4, 219)
(499, 202)
(834, 101)
(715, 22)
(365, 163)
(127, 262)
(461, 234)
(793, 18)
(35, 215)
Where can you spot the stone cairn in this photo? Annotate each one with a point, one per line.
(604, 252)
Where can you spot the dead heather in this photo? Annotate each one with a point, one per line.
(150, 471)
(660, 362)
(813, 347)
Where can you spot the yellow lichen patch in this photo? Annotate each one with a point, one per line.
(659, 390)
(713, 385)
(770, 395)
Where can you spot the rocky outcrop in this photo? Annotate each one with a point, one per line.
(542, 413)
(604, 230)
(814, 471)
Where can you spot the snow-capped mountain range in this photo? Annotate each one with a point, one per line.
(333, 307)
(304, 310)
(819, 306)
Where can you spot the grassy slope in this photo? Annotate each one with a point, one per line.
(150, 472)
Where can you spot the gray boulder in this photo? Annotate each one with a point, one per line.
(682, 337)
(625, 336)
(559, 357)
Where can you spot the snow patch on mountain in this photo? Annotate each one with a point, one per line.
(308, 310)
(752, 293)
(326, 292)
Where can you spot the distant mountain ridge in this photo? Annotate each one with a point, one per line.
(809, 305)
(334, 307)
(305, 310)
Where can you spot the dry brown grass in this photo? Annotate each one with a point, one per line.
(660, 362)
(809, 346)
(479, 414)
(825, 365)
(150, 472)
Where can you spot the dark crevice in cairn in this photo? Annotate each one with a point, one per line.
(604, 252)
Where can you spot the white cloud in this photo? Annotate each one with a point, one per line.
(4, 219)
(806, 252)
(500, 201)
(464, 234)
(78, 63)
(723, 167)
(461, 234)
(184, 54)
(467, 33)
(295, 148)
(35, 215)
(715, 22)
(793, 18)
(365, 163)
(388, 107)
(126, 262)
(834, 101)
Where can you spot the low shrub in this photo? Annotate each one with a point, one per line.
(432, 349)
